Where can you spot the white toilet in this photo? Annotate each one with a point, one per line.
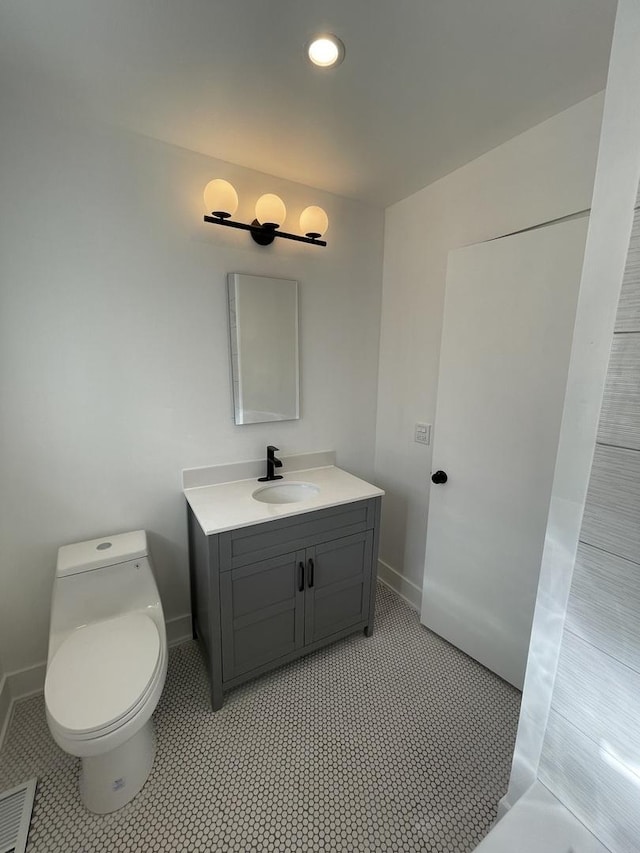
(107, 665)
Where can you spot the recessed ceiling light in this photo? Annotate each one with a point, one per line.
(325, 50)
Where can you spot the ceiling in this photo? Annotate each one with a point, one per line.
(426, 85)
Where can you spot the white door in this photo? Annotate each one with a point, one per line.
(509, 313)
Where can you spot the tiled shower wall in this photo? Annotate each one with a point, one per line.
(591, 753)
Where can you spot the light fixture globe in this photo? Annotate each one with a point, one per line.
(220, 198)
(314, 222)
(325, 50)
(270, 211)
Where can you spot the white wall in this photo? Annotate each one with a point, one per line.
(542, 174)
(114, 364)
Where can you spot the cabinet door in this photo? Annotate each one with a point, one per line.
(338, 582)
(262, 612)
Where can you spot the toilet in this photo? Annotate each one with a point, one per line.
(107, 665)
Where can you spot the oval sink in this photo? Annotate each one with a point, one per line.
(285, 493)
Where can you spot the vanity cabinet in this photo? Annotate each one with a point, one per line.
(266, 594)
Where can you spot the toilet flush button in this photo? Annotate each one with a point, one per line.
(103, 546)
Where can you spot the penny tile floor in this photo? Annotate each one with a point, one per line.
(398, 742)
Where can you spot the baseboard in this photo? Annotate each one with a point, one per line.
(503, 807)
(179, 629)
(5, 706)
(19, 685)
(405, 588)
(27, 682)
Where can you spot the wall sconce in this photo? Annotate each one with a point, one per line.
(221, 200)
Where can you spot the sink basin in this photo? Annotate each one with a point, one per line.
(285, 493)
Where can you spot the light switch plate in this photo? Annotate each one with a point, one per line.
(422, 434)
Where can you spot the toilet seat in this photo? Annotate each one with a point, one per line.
(101, 675)
(95, 736)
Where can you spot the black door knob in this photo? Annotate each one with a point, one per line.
(439, 477)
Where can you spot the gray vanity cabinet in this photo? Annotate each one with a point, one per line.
(338, 585)
(267, 594)
(262, 613)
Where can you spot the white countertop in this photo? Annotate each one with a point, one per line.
(227, 506)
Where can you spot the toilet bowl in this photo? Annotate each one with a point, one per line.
(107, 665)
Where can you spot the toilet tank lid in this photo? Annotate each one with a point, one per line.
(98, 553)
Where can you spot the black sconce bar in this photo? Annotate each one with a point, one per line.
(263, 234)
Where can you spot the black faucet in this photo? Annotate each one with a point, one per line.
(272, 463)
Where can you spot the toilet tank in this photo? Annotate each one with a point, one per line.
(101, 553)
(101, 579)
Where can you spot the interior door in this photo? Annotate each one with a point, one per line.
(509, 313)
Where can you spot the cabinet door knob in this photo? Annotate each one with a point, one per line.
(300, 577)
(439, 477)
(310, 573)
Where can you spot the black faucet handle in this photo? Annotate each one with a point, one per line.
(271, 449)
(272, 463)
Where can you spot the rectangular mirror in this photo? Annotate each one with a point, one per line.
(263, 324)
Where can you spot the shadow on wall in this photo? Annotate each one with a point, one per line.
(394, 525)
(170, 562)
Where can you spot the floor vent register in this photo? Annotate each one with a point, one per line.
(16, 806)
